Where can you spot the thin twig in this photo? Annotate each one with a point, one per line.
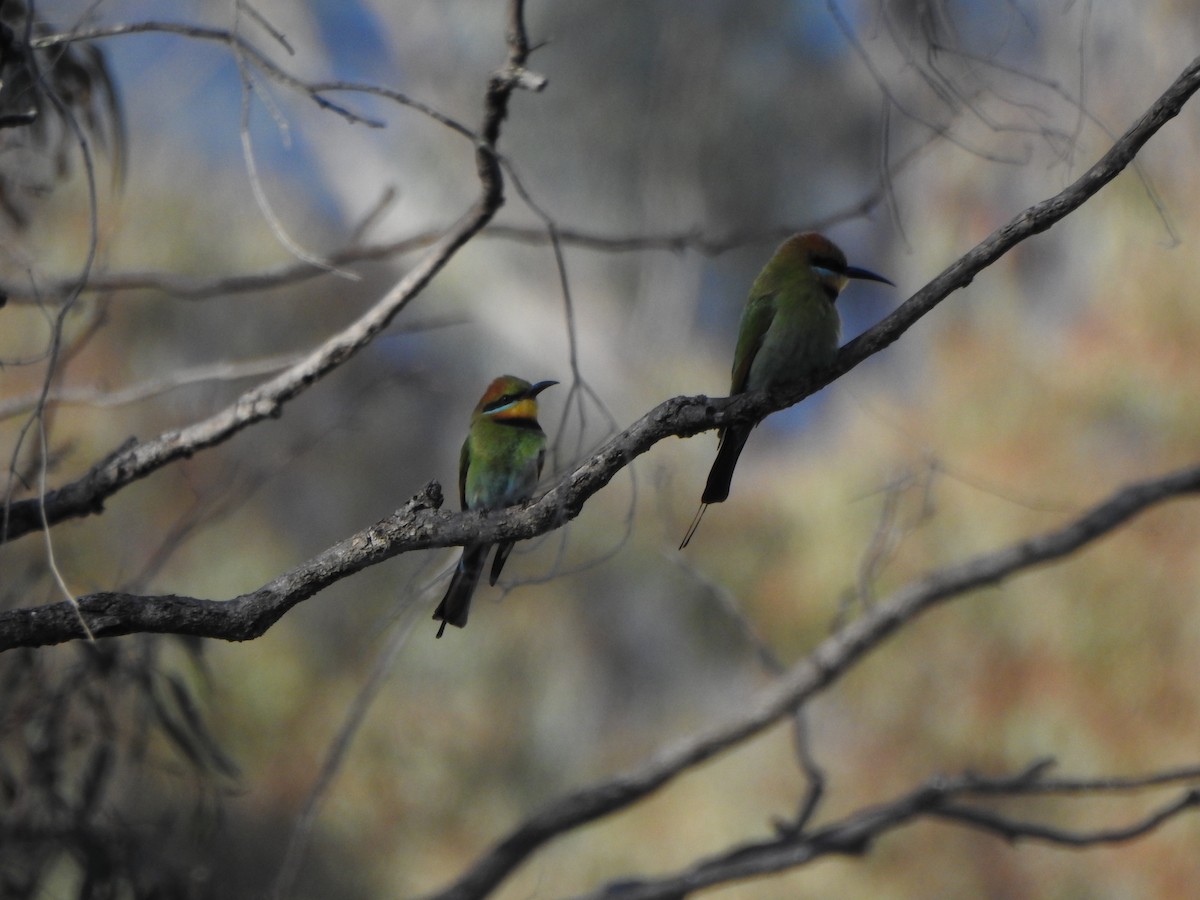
(855, 833)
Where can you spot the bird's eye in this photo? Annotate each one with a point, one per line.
(828, 267)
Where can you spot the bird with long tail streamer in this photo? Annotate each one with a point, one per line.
(790, 329)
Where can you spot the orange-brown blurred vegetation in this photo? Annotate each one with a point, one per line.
(1063, 372)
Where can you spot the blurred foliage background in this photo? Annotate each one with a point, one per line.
(1066, 370)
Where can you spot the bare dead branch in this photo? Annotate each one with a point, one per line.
(857, 832)
(422, 525)
(1036, 219)
(1015, 830)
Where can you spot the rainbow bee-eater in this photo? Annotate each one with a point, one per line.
(790, 329)
(499, 466)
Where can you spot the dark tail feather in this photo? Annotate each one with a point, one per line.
(721, 474)
(456, 604)
(502, 551)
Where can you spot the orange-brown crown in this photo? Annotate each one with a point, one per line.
(814, 249)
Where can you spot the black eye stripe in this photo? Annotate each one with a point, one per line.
(503, 401)
(828, 262)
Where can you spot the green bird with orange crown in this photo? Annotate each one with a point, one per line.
(499, 466)
(790, 329)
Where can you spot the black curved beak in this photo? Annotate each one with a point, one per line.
(866, 275)
(536, 389)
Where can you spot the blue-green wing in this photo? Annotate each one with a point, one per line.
(756, 319)
(464, 463)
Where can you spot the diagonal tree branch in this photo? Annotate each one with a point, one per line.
(1038, 218)
(422, 525)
